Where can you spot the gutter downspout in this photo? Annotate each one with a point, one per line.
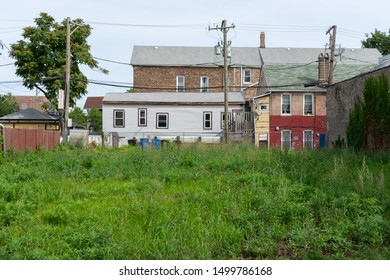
(4, 147)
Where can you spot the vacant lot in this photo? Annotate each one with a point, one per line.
(194, 202)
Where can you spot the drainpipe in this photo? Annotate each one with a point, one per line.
(3, 129)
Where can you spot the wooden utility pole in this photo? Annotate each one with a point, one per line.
(332, 43)
(224, 29)
(67, 84)
(226, 80)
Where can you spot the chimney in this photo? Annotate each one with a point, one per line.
(262, 40)
(323, 69)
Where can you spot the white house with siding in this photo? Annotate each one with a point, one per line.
(192, 116)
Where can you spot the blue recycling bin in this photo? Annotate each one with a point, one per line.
(144, 143)
(156, 143)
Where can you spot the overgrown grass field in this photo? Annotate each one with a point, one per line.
(194, 202)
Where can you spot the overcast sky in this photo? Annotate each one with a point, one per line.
(287, 23)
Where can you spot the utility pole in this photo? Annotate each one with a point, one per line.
(332, 43)
(67, 83)
(225, 51)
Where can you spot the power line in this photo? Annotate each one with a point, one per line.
(112, 61)
(148, 25)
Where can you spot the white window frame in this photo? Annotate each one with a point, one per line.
(247, 75)
(309, 143)
(281, 104)
(144, 118)
(263, 107)
(116, 118)
(207, 126)
(312, 104)
(282, 141)
(180, 85)
(158, 120)
(204, 86)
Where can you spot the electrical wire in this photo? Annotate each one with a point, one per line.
(190, 26)
(112, 61)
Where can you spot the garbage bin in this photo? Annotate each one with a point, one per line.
(156, 143)
(132, 142)
(144, 143)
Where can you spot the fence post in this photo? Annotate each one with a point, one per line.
(3, 142)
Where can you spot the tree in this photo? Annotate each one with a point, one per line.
(78, 116)
(8, 104)
(95, 117)
(378, 40)
(41, 57)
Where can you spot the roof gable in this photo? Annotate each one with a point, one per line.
(93, 102)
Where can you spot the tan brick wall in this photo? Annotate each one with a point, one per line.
(297, 103)
(154, 79)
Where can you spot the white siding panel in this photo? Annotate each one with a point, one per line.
(183, 120)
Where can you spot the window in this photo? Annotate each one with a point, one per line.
(180, 83)
(247, 76)
(263, 106)
(308, 139)
(204, 84)
(286, 140)
(119, 118)
(308, 104)
(162, 120)
(286, 104)
(207, 120)
(223, 120)
(142, 117)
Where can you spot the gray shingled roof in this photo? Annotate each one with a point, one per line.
(307, 55)
(29, 114)
(192, 56)
(291, 68)
(172, 98)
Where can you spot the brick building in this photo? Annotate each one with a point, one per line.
(341, 98)
(295, 82)
(194, 69)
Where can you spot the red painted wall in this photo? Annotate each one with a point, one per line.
(297, 124)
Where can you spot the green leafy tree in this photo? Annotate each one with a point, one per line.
(8, 104)
(378, 40)
(41, 57)
(78, 116)
(95, 117)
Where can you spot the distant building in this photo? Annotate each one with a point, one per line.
(31, 101)
(168, 115)
(94, 102)
(31, 119)
(195, 69)
(293, 93)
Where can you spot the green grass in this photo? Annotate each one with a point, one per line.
(194, 202)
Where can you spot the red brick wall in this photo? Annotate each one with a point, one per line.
(297, 124)
(154, 79)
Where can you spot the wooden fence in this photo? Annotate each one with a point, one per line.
(19, 139)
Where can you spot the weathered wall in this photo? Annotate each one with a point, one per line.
(155, 79)
(340, 100)
(31, 139)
